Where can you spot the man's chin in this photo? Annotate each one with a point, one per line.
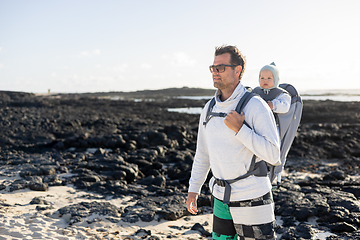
(217, 85)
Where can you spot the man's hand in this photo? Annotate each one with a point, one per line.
(234, 120)
(270, 104)
(191, 202)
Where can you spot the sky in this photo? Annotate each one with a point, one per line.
(74, 46)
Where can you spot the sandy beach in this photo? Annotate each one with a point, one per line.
(20, 219)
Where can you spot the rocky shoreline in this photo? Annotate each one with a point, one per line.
(125, 148)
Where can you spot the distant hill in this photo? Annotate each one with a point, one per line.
(161, 93)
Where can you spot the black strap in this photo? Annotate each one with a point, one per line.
(258, 169)
(239, 107)
(208, 115)
(265, 199)
(243, 101)
(220, 114)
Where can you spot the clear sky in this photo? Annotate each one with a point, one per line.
(116, 45)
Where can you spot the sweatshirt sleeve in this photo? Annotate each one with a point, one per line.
(282, 103)
(262, 137)
(201, 164)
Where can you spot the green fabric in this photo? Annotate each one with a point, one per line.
(223, 237)
(222, 211)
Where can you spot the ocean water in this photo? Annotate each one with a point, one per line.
(334, 95)
(190, 110)
(341, 95)
(352, 95)
(338, 98)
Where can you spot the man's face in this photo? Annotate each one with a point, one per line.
(228, 79)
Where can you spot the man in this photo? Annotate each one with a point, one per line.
(227, 146)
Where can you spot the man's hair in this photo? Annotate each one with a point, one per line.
(236, 57)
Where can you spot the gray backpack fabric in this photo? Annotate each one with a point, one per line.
(288, 124)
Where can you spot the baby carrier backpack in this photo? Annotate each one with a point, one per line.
(288, 124)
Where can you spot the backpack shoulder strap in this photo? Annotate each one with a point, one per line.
(295, 96)
(243, 101)
(272, 94)
(239, 107)
(208, 116)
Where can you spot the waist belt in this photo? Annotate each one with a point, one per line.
(258, 169)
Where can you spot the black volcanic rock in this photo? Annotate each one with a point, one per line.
(139, 149)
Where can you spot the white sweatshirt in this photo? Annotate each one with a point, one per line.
(282, 103)
(229, 154)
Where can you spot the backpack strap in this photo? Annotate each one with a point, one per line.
(208, 113)
(258, 169)
(242, 103)
(273, 93)
(239, 107)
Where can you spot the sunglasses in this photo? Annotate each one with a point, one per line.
(220, 68)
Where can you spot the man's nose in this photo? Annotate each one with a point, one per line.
(215, 74)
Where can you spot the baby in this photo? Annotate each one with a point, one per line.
(269, 81)
(278, 99)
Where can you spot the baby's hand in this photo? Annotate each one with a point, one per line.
(270, 104)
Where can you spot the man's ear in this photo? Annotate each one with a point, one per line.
(238, 70)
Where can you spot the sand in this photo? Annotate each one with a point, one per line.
(20, 220)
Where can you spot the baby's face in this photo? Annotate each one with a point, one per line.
(266, 79)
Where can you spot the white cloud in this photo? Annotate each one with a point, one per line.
(85, 83)
(89, 53)
(120, 68)
(84, 54)
(146, 66)
(63, 67)
(0, 49)
(2, 66)
(180, 59)
(96, 52)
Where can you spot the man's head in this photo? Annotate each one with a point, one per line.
(227, 69)
(236, 58)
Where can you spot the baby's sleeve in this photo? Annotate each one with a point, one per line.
(282, 103)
